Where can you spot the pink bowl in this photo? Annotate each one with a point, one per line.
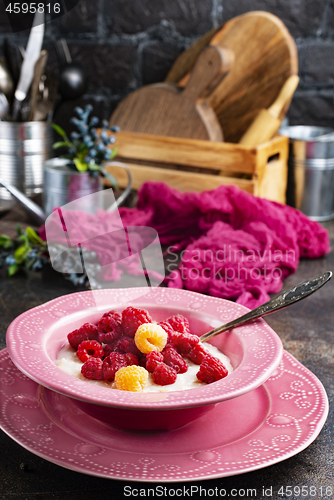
(35, 337)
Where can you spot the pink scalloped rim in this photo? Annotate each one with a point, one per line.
(35, 337)
(260, 429)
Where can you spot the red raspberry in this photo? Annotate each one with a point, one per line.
(142, 361)
(112, 364)
(92, 369)
(131, 359)
(110, 327)
(88, 349)
(179, 323)
(109, 321)
(173, 359)
(185, 342)
(132, 318)
(108, 349)
(109, 337)
(113, 347)
(153, 358)
(172, 334)
(76, 337)
(211, 370)
(197, 354)
(164, 375)
(88, 331)
(127, 344)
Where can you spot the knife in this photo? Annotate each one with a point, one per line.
(33, 51)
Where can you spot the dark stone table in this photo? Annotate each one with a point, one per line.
(307, 332)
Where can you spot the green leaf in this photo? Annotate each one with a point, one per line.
(80, 165)
(93, 167)
(5, 241)
(109, 177)
(21, 253)
(33, 237)
(13, 269)
(24, 239)
(114, 152)
(19, 229)
(61, 144)
(59, 130)
(29, 263)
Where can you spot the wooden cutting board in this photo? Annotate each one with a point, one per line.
(169, 110)
(265, 56)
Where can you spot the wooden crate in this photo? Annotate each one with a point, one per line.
(193, 165)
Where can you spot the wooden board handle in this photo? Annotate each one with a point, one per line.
(209, 70)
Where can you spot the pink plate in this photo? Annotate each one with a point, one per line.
(271, 424)
(35, 337)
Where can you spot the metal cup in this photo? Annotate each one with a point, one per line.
(311, 170)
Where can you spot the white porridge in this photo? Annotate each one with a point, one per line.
(69, 362)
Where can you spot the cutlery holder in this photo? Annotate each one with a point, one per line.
(24, 147)
(195, 165)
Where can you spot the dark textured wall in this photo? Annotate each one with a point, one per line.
(124, 44)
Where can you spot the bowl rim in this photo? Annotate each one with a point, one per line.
(27, 336)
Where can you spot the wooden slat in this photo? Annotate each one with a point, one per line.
(188, 152)
(166, 157)
(183, 181)
(274, 182)
(279, 146)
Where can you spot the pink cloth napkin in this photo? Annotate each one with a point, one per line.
(233, 245)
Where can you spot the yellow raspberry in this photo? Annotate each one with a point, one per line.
(150, 337)
(131, 378)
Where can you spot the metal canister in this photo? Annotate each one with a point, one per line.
(311, 170)
(24, 147)
(63, 185)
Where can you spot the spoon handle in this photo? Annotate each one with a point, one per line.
(281, 300)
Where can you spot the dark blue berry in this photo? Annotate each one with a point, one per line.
(75, 136)
(37, 265)
(114, 128)
(93, 133)
(94, 121)
(10, 260)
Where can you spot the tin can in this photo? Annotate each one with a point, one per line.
(24, 147)
(311, 170)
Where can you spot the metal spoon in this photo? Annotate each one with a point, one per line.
(284, 299)
(6, 81)
(38, 73)
(4, 106)
(73, 79)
